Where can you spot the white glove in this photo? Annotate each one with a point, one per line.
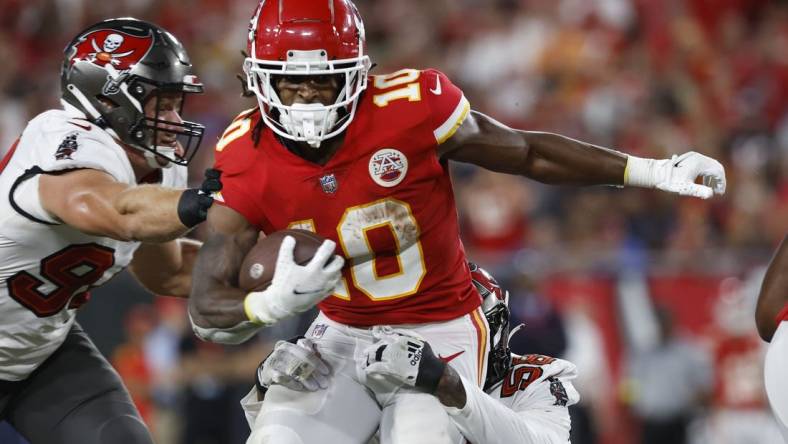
(296, 366)
(295, 288)
(677, 174)
(406, 359)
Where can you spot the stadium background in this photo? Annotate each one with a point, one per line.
(590, 270)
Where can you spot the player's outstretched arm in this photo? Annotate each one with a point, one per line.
(95, 203)
(485, 419)
(555, 159)
(773, 298)
(166, 268)
(479, 417)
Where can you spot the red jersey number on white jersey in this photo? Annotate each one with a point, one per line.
(72, 270)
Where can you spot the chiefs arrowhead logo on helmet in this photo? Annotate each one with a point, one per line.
(111, 47)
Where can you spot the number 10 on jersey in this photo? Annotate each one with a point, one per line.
(353, 233)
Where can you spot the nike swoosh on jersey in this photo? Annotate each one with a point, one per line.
(437, 90)
(446, 359)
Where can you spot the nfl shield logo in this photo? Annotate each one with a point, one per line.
(329, 183)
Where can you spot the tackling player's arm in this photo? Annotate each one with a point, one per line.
(166, 268)
(555, 159)
(540, 416)
(93, 202)
(773, 299)
(482, 418)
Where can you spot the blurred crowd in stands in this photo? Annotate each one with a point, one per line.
(649, 77)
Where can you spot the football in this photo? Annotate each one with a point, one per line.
(259, 265)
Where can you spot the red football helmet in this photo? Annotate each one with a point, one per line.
(306, 37)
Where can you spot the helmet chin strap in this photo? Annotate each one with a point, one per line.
(308, 120)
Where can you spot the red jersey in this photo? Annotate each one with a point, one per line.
(384, 197)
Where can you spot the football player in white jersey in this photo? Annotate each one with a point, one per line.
(771, 317)
(74, 212)
(525, 398)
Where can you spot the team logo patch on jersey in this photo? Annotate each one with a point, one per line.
(557, 389)
(329, 184)
(388, 167)
(67, 147)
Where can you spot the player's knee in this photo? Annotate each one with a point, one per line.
(125, 429)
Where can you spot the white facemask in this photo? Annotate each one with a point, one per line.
(308, 120)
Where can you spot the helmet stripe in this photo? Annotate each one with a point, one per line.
(482, 333)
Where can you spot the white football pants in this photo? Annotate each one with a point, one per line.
(352, 409)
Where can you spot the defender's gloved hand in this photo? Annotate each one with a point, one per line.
(406, 359)
(295, 364)
(677, 174)
(295, 288)
(194, 203)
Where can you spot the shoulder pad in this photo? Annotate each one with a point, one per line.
(233, 150)
(62, 142)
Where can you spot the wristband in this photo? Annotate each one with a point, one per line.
(193, 207)
(248, 310)
(260, 309)
(639, 172)
(430, 371)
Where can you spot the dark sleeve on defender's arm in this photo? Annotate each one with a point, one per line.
(216, 301)
(545, 157)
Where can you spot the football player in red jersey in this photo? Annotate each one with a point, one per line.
(85, 192)
(771, 317)
(363, 161)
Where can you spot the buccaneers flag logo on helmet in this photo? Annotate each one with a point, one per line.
(111, 48)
